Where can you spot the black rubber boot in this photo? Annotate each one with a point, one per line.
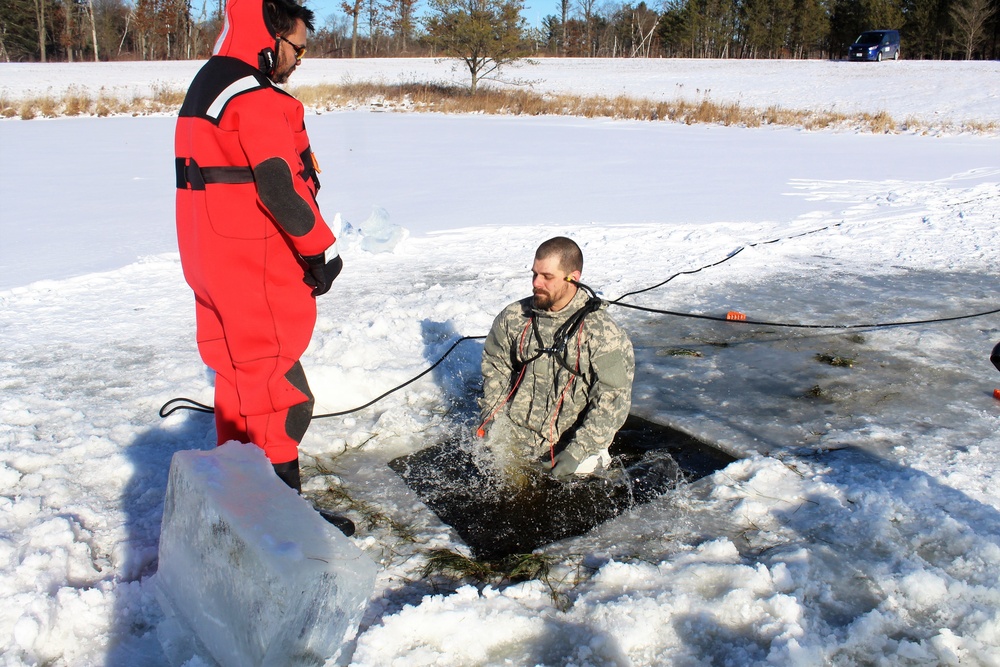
(289, 474)
(343, 524)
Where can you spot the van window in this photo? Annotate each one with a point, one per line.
(872, 38)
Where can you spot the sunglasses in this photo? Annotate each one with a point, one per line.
(299, 50)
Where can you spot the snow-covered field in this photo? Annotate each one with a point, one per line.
(934, 92)
(862, 523)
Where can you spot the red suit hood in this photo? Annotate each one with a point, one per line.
(247, 35)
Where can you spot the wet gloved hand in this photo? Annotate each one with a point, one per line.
(321, 273)
(995, 357)
(565, 465)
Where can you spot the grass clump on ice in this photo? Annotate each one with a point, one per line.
(516, 567)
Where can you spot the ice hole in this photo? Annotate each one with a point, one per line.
(499, 515)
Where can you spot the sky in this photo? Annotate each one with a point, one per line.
(533, 11)
(860, 522)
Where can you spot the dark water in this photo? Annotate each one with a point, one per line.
(497, 518)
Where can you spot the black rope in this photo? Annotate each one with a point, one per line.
(679, 273)
(194, 406)
(408, 382)
(879, 325)
(594, 302)
(726, 259)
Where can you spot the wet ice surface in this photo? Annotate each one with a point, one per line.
(821, 389)
(501, 510)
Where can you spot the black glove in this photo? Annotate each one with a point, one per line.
(995, 357)
(320, 273)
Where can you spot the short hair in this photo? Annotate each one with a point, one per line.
(569, 253)
(284, 13)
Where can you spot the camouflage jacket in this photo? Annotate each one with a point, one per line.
(577, 397)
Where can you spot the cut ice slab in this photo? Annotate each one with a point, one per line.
(379, 235)
(517, 514)
(249, 574)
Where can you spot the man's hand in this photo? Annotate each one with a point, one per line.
(566, 465)
(320, 273)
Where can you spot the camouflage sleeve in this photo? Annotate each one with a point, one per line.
(612, 364)
(497, 364)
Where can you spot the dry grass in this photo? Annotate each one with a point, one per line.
(77, 104)
(517, 567)
(431, 97)
(513, 568)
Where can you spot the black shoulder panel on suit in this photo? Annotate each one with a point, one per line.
(220, 80)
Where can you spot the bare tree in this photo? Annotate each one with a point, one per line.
(378, 18)
(401, 22)
(93, 29)
(643, 24)
(970, 22)
(563, 46)
(40, 17)
(353, 9)
(587, 12)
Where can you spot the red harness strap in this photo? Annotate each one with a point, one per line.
(481, 431)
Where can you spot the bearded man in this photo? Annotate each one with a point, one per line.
(557, 370)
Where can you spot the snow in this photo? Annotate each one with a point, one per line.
(861, 524)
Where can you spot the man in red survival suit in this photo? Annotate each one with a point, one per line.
(252, 240)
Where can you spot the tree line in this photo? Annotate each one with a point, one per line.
(79, 30)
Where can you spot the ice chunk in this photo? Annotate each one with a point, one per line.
(249, 574)
(379, 235)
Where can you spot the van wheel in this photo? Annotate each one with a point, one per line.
(878, 57)
(895, 56)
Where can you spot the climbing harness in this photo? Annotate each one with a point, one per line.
(557, 350)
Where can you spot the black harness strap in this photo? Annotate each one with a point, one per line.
(560, 340)
(191, 176)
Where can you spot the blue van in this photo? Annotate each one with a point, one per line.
(875, 45)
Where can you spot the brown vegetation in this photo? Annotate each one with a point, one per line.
(430, 97)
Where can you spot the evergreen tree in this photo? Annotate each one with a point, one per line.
(18, 30)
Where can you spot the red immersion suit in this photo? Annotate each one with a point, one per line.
(246, 214)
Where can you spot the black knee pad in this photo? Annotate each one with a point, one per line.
(299, 416)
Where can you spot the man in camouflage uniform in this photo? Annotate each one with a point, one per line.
(557, 370)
